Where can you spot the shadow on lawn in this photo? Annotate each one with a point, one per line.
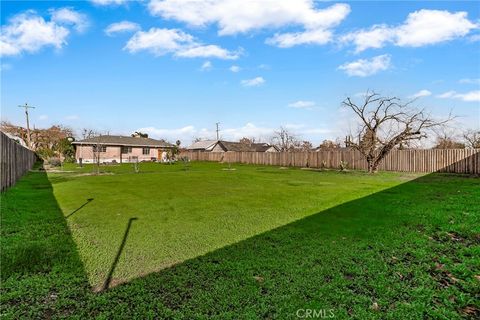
(108, 280)
(410, 249)
(383, 247)
(39, 258)
(83, 205)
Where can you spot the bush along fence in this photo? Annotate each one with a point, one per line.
(15, 160)
(434, 160)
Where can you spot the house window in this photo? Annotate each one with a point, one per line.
(145, 150)
(126, 150)
(99, 148)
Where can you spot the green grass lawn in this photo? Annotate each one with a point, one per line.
(254, 242)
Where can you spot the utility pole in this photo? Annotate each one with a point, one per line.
(218, 130)
(26, 106)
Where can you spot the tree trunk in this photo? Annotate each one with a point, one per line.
(372, 166)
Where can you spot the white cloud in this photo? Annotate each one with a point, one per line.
(470, 81)
(235, 68)
(423, 27)
(28, 32)
(375, 37)
(421, 93)
(187, 133)
(206, 66)
(184, 134)
(234, 17)
(43, 117)
(471, 96)
(122, 26)
(248, 130)
(366, 67)
(208, 51)
(474, 38)
(261, 133)
(432, 26)
(108, 2)
(287, 40)
(162, 41)
(301, 104)
(255, 82)
(69, 16)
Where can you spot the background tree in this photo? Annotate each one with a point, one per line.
(66, 150)
(284, 139)
(447, 139)
(247, 141)
(472, 139)
(384, 124)
(48, 142)
(140, 134)
(97, 149)
(306, 146)
(88, 133)
(329, 145)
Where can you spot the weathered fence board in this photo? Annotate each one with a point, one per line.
(15, 160)
(422, 160)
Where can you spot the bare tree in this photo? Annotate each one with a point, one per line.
(88, 133)
(448, 139)
(306, 146)
(284, 139)
(247, 141)
(329, 145)
(97, 149)
(386, 123)
(139, 134)
(472, 139)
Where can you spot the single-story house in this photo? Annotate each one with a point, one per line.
(120, 149)
(225, 146)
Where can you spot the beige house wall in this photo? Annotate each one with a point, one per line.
(113, 154)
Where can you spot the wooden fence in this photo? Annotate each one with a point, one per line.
(15, 160)
(454, 160)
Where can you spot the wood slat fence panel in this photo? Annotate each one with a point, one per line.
(15, 160)
(421, 160)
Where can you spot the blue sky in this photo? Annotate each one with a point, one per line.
(173, 68)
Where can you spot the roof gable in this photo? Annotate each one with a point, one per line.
(125, 141)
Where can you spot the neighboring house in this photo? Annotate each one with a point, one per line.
(203, 145)
(225, 146)
(120, 149)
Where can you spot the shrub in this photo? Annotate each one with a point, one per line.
(323, 165)
(343, 165)
(54, 162)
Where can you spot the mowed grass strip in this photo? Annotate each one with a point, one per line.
(180, 214)
(379, 247)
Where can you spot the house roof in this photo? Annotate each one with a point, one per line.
(206, 145)
(239, 147)
(125, 141)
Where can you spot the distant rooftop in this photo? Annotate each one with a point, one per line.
(125, 141)
(206, 145)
